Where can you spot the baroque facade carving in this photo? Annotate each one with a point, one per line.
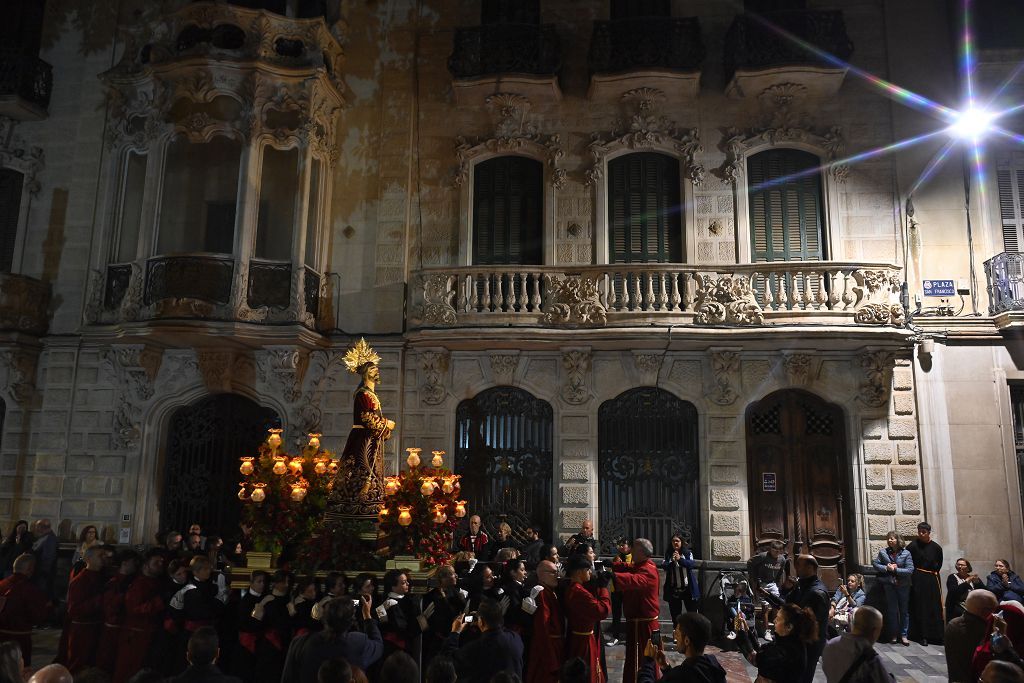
(132, 369)
(18, 373)
(725, 366)
(874, 387)
(798, 368)
(503, 367)
(15, 154)
(512, 133)
(645, 128)
(576, 364)
(437, 308)
(727, 300)
(573, 300)
(435, 369)
(737, 143)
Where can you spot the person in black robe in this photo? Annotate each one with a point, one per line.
(926, 623)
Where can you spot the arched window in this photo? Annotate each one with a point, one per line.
(786, 215)
(508, 199)
(504, 454)
(644, 211)
(648, 468)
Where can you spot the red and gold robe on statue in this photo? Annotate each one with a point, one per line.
(547, 647)
(143, 617)
(359, 489)
(639, 585)
(583, 610)
(84, 621)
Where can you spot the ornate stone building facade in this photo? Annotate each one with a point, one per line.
(618, 265)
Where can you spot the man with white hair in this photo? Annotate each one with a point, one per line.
(964, 633)
(853, 655)
(639, 584)
(52, 673)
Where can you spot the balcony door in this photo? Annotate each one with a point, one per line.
(505, 456)
(1010, 182)
(508, 203)
(645, 214)
(786, 206)
(798, 490)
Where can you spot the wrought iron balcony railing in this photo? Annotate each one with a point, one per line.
(1005, 275)
(758, 42)
(24, 304)
(637, 43)
(505, 49)
(25, 77)
(208, 287)
(667, 293)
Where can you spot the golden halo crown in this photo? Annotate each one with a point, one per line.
(360, 355)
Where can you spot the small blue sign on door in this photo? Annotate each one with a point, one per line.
(768, 482)
(939, 288)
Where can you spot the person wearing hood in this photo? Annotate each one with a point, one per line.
(692, 633)
(853, 655)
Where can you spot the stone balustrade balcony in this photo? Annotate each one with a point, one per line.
(25, 86)
(756, 294)
(528, 55)
(24, 304)
(209, 287)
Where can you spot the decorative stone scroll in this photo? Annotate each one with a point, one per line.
(513, 133)
(573, 300)
(577, 367)
(725, 365)
(435, 368)
(726, 300)
(877, 367)
(503, 367)
(645, 128)
(437, 308)
(16, 155)
(18, 373)
(133, 369)
(737, 143)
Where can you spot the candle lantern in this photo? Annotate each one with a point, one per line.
(242, 493)
(438, 459)
(274, 440)
(460, 508)
(448, 484)
(414, 456)
(258, 494)
(295, 466)
(246, 467)
(390, 486)
(280, 467)
(404, 516)
(439, 516)
(320, 465)
(314, 440)
(383, 514)
(427, 488)
(332, 467)
(298, 491)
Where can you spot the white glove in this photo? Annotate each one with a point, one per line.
(504, 604)
(222, 589)
(422, 621)
(257, 613)
(389, 603)
(429, 611)
(291, 609)
(501, 591)
(318, 610)
(472, 563)
(464, 593)
(529, 605)
(535, 591)
(382, 614)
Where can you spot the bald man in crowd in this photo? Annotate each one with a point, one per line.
(52, 673)
(849, 649)
(966, 632)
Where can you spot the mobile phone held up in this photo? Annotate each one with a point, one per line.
(468, 619)
(656, 638)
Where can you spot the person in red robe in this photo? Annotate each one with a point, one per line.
(547, 647)
(84, 620)
(585, 605)
(113, 609)
(24, 605)
(641, 605)
(143, 617)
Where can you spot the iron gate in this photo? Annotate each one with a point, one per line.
(204, 442)
(648, 469)
(504, 454)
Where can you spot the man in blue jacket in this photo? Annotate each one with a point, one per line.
(337, 641)
(496, 650)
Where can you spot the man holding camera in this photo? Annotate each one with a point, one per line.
(496, 650)
(641, 604)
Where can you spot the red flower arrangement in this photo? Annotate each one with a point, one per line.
(421, 510)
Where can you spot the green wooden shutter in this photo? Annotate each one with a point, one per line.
(644, 210)
(10, 211)
(785, 206)
(507, 211)
(1011, 206)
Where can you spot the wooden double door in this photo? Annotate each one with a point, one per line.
(798, 484)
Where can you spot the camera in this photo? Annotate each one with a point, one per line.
(468, 619)
(598, 565)
(356, 602)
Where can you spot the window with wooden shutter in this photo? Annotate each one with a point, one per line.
(11, 182)
(644, 211)
(1011, 207)
(507, 211)
(786, 221)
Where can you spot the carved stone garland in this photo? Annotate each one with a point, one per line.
(879, 288)
(437, 308)
(736, 144)
(16, 155)
(577, 368)
(573, 300)
(435, 369)
(503, 367)
(724, 367)
(877, 367)
(133, 370)
(644, 128)
(726, 300)
(18, 373)
(513, 133)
